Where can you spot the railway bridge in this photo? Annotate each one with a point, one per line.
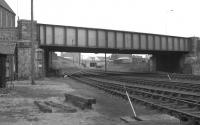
(170, 53)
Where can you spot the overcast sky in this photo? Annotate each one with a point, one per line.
(173, 17)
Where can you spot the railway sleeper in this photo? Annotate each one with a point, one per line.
(166, 99)
(170, 93)
(173, 94)
(191, 98)
(190, 110)
(158, 97)
(179, 107)
(165, 85)
(166, 110)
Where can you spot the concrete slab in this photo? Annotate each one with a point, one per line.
(80, 101)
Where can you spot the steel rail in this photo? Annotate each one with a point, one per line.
(185, 86)
(188, 96)
(164, 84)
(178, 108)
(136, 90)
(161, 75)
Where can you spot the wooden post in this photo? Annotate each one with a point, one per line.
(32, 49)
(105, 63)
(79, 58)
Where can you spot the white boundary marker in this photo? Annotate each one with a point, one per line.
(134, 113)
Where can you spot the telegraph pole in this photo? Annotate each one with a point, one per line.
(32, 49)
(105, 63)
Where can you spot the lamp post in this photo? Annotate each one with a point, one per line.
(166, 14)
(32, 49)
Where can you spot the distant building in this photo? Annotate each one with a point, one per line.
(7, 15)
(121, 58)
(116, 56)
(128, 58)
(75, 57)
(139, 59)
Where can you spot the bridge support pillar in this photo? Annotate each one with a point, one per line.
(190, 63)
(167, 62)
(46, 62)
(105, 63)
(24, 50)
(50, 54)
(152, 64)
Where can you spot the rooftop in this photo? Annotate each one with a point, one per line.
(6, 6)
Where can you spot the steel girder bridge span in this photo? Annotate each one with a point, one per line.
(167, 50)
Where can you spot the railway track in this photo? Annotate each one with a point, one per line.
(183, 105)
(159, 75)
(181, 86)
(167, 84)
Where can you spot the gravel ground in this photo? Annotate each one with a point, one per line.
(17, 107)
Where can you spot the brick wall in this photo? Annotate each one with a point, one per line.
(24, 63)
(24, 28)
(24, 51)
(8, 34)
